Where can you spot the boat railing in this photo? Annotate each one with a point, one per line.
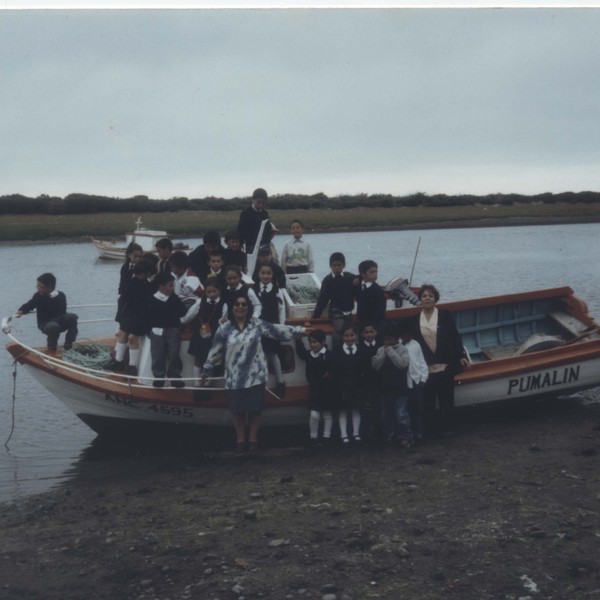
(130, 382)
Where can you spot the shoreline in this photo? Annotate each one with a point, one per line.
(512, 494)
(479, 223)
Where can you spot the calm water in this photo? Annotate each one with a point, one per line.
(49, 442)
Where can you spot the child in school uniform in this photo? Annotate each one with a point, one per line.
(164, 311)
(132, 324)
(367, 348)
(348, 380)
(297, 255)
(417, 375)
(51, 312)
(391, 363)
(370, 297)
(319, 375)
(133, 253)
(164, 249)
(233, 253)
(205, 325)
(187, 286)
(273, 311)
(236, 287)
(215, 268)
(265, 257)
(337, 293)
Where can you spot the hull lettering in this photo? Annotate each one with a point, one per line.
(540, 381)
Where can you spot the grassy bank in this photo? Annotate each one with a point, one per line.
(191, 224)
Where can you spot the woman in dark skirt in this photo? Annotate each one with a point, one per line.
(239, 339)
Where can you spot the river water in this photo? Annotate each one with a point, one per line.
(49, 443)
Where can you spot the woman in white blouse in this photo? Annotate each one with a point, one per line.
(444, 354)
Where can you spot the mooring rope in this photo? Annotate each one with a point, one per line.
(14, 398)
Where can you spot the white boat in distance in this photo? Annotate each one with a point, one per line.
(146, 238)
(522, 346)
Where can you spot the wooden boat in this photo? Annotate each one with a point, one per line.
(525, 345)
(146, 238)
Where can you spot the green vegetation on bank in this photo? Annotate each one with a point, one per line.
(107, 225)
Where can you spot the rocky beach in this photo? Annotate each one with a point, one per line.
(506, 508)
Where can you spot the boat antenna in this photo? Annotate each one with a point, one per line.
(414, 261)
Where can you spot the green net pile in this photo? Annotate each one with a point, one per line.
(91, 356)
(302, 293)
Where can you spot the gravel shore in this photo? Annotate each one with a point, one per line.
(507, 508)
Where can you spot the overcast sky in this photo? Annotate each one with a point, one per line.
(217, 102)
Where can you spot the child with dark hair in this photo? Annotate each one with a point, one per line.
(215, 268)
(211, 242)
(205, 325)
(132, 323)
(273, 311)
(163, 312)
(348, 380)
(370, 298)
(367, 348)
(233, 254)
(235, 288)
(297, 255)
(164, 249)
(391, 363)
(416, 377)
(265, 257)
(51, 312)
(319, 375)
(133, 253)
(187, 287)
(337, 294)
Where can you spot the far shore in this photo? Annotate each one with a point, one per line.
(30, 229)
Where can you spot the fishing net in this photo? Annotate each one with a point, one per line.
(91, 356)
(302, 293)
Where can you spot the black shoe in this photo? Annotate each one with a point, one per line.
(240, 448)
(115, 365)
(280, 390)
(158, 383)
(68, 347)
(253, 448)
(177, 383)
(131, 370)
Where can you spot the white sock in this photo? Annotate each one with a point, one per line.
(197, 375)
(120, 350)
(134, 357)
(313, 422)
(327, 423)
(343, 423)
(356, 422)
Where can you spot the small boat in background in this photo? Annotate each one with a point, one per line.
(522, 346)
(146, 238)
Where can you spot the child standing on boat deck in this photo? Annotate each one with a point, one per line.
(319, 375)
(233, 254)
(370, 298)
(164, 249)
(51, 312)
(187, 287)
(273, 311)
(297, 255)
(132, 323)
(337, 293)
(164, 311)
(133, 253)
(215, 268)
(236, 287)
(204, 327)
(391, 363)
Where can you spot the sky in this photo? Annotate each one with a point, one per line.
(195, 103)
